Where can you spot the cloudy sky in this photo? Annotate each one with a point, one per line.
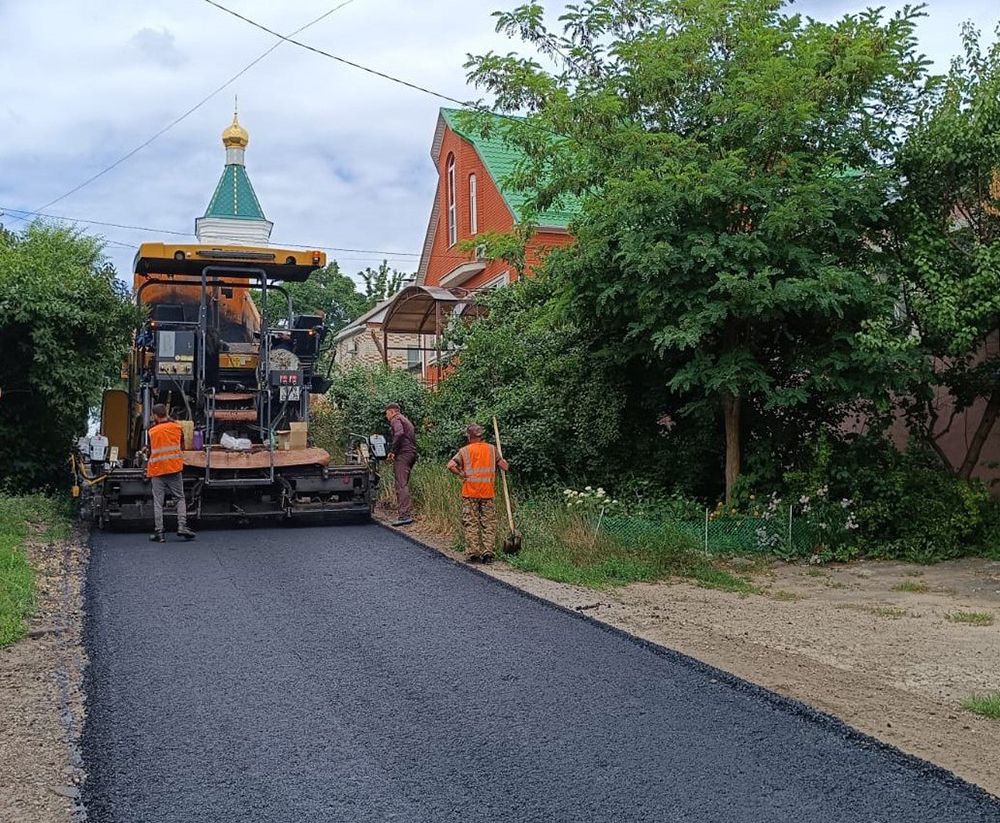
(339, 158)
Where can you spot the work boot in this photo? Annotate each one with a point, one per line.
(186, 533)
(403, 521)
(157, 537)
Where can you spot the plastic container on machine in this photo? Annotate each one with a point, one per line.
(98, 448)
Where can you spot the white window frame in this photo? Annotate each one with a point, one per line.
(414, 358)
(473, 207)
(452, 210)
(497, 282)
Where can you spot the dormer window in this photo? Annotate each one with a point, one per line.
(473, 207)
(452, 210)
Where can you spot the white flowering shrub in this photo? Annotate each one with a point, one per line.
(589, 499)
(828, 523)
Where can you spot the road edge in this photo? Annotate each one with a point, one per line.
(777, 701)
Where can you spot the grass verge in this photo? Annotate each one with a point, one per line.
(21, 518)
(565, 546)
(988, 705)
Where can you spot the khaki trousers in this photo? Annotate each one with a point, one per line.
(479, 517)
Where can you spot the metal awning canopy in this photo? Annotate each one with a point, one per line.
(423, 310)
(420, 309)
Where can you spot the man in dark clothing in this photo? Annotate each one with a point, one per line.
(402, 455)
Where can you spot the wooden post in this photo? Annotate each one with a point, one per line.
(382, 350)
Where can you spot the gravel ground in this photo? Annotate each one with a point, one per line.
(41, 703)
(347, 674)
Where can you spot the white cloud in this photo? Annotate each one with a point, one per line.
(338, 157)
(158, 46)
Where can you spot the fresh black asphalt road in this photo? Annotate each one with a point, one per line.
(346, 674)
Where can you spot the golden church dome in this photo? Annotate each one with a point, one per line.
(235, 136)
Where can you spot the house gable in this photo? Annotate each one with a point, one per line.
(497, 209)
(500, 159)
(441, 262)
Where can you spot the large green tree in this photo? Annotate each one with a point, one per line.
(948, 244)
(730, 163)
(383, 282)
(65, 325)
(560, 405)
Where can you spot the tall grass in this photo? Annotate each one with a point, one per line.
(565, 545)
(436, 495)
(19, 518)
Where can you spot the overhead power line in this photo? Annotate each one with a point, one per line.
(16, 214)
(345, 61)
(189, 112)
(467, 104)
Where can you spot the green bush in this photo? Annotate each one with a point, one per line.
(328, 427)
(558, 402)
(900, 504)
(361, 393)
(989, 539)
(65, 324)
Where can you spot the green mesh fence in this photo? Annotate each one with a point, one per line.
(720, 535)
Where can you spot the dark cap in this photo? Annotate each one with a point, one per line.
(390, 406)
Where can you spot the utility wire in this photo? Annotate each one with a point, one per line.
(190, 111)
(346, 62)
(15, 213)
(466, 104)
(9, 210)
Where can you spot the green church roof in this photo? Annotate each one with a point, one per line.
(234, 196)
(501, 159)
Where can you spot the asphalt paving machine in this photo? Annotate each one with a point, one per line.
(240, 389)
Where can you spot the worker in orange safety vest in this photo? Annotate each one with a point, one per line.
(477, 465)
(165, 469)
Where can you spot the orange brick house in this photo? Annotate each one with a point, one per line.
(472, 197)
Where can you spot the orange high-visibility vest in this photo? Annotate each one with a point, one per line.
(480, 463)
(165, 449)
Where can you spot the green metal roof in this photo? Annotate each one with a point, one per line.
(234, 196)
(501, 159)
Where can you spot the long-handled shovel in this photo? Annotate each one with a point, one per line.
(512, 542)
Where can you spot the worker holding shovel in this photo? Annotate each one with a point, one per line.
(477, 463)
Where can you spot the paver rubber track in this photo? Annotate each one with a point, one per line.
(345, 674)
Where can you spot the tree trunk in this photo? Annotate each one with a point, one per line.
(731, 412)
(979, 438)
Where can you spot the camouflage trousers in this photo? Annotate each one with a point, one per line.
(479, 517)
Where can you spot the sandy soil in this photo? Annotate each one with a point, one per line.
(41, 702)
(839, 638)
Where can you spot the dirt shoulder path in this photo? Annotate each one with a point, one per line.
(842, 639)
(41, 702)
